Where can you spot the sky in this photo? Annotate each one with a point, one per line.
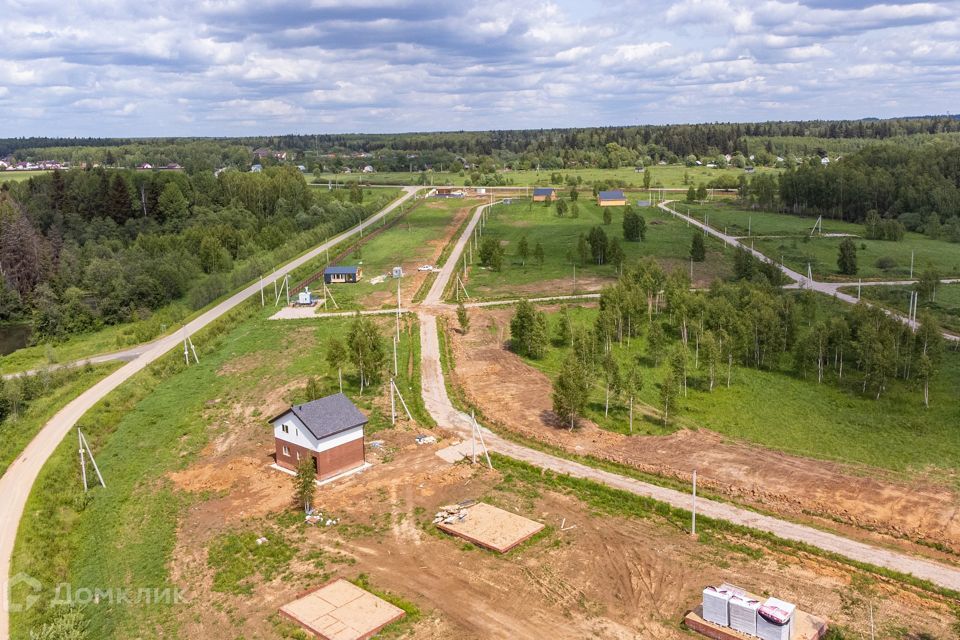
(261, 67)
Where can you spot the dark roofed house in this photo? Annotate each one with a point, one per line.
(613, 198)
(328, 430)
(540, 194)
(333, 275)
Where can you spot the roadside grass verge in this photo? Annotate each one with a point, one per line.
(55, 390)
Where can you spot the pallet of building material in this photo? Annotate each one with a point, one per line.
(775, 619)
(716, 605)
(743, 614)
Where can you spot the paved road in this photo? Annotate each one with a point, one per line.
(438, 403)
(16, 483)
(799, 280)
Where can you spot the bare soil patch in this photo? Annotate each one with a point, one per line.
(517, 398)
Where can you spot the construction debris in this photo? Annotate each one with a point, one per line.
(451, 513)
(261, 541)
(426, 439)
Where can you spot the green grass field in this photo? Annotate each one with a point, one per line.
(668, 241)
(737, 221)
(17, 176)
(782, 411)
(798, 248)
(410, 243)
(946, 307)
(821, 254)
(669, 176)
(123, 536)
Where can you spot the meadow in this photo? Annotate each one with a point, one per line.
(873, 256)
(737, 221)
(783, 236)
(780, 410)
(17, 176)
(159, 421)
(668, 176)
(668, 240)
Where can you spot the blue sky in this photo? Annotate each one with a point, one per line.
(239, 67)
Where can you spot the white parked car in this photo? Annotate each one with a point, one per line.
(425, 267)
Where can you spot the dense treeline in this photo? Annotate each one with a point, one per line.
(547, 148)
(84, 248)
(914, 186)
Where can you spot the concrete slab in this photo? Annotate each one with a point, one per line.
(493, 528)
(340, 610)
(457, 452)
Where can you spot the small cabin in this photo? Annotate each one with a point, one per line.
(397, 272)
(329, 431)
(613, 198)
(542, 194)
(336, 275)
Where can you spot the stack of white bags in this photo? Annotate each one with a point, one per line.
(775, 620)
(743, 614)
(716, 605)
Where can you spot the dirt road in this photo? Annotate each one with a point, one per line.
(16, 483)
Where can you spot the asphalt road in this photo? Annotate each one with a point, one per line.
(16, 483)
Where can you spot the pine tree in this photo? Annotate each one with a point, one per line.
(847, 257)
(529, 333)
(698, 249)
(523, 251)
(538, 254)
(463, 318)
(607, 216)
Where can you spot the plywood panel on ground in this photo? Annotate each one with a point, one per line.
(341, 610)
(493, 528)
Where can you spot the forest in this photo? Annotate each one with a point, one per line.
(601, 147)
(81, 249)
(918, 187)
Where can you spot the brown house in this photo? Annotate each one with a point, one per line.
(329, 431)
(541, 194)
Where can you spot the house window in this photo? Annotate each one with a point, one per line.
(286, 451)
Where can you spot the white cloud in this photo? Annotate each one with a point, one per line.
(265, 66)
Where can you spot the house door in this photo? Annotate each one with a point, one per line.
(316, 471)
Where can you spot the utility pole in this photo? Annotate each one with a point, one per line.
(693, 513)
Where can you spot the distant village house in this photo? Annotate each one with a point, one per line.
(334, 275)
(541, 194)
(613, 198)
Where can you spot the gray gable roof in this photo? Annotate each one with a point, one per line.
(327, 416)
